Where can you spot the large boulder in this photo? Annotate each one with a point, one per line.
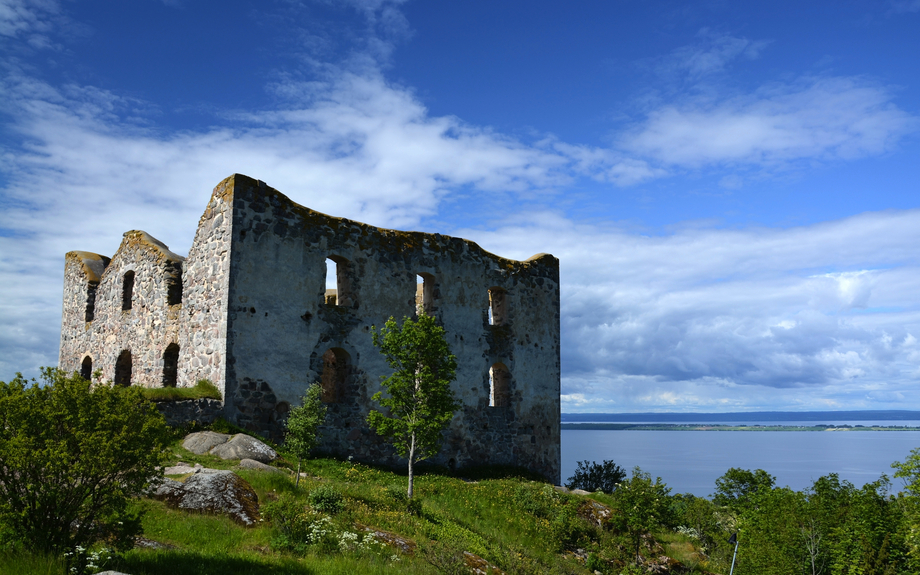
(243, 446)
(212, 491)
(203, 441)
(253, 464)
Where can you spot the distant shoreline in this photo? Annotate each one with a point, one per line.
(741, 417)
(727, 427)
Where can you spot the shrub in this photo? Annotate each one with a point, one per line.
(72, 456)
(298, 527)
(327, 499)
(596, 476)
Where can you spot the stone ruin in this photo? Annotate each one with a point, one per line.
(249, 310)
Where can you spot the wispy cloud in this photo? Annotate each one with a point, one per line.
(708, 310)
(31, 20)
(711, 55)
(815, 119)
(822, 313)
(904, 6)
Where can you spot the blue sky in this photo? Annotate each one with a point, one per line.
(732, 188)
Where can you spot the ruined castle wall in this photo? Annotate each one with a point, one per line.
(139, 320)
(280, 327)
(206, 278)
(82, 273)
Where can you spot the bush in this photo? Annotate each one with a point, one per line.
(298, 527)
(327, 499)
(596, 477)
(73, 455)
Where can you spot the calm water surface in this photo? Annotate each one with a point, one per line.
(690, 461)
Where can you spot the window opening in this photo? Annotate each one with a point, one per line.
(171, 365)
(498, 306)
(335, 372)
(331, 282)
(339, 290)
(86, 368)
(127, 291)
(123, 369)
(500, 385)
(91, 300)
(174, 284)
(424, 294)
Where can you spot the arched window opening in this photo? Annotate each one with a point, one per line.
(339, 289)
(174, 284)
(86, 368)
(500, 385)
(424, 294)
(498, 306)
(123, 369)
(335, 373)
(171, 365)
(127, 291)
(91, 300)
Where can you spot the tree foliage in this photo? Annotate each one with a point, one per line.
(71, 456)
(302, 426)
(737, 486)
(643, 503)
(595, 476)
(419, 400)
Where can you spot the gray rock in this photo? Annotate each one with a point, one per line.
(242, 446)
(111, 573)
(182, 469)
(203, 441)
(213, 491)
(253, 464)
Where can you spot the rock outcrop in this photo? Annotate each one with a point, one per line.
(212, 491)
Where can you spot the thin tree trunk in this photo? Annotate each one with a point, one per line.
(411, 460)
(297, 481)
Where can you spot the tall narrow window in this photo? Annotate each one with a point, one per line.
(174, 283)
(498, 306)
(339, 288)
(335, 373)
(171, 365)
(331, 282)
(91, 300)
(86, 368)
(123, 369)
(500, 385)
(424, 293)
(127, 291)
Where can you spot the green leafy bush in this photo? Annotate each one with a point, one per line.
(72, 456)
(298, 527)
(596, 476)
(327, 499)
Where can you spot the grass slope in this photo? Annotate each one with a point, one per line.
(509, 520)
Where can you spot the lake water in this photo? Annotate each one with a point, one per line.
(690, 461)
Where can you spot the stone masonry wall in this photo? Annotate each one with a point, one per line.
(249, 310)
(280, 332)
(142, 332)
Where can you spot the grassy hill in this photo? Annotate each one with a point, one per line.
(350, 518)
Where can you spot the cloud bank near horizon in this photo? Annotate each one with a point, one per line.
(704, 318)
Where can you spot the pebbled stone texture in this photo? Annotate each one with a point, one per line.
(212, 491)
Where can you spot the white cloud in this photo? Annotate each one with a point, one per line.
(712, 54)
(823, 118)
(708, 312)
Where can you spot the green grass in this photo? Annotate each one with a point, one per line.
(500, 514)
(204, 389)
